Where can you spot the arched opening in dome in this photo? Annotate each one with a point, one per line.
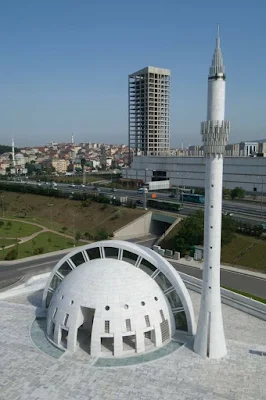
(85, 329)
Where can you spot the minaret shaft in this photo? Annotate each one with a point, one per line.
(210, 340)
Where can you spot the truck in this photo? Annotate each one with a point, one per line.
(158, 185)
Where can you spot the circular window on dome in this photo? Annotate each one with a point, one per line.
(156, 298)
(107, 308)
(142, 303)
(126, 306)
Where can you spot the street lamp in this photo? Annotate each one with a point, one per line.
(51, 214)
(3, 208)
(261, 204)
(74, 237)
(182, 185)
(146, 169)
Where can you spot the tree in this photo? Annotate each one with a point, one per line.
(226, 193)
(237, 193)
(181, 246)
(9, 225)
(2, 223)
(78, 236)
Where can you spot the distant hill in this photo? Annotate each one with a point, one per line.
(7, 149)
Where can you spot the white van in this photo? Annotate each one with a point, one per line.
(142, 190)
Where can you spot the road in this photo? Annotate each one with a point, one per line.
(10, 274)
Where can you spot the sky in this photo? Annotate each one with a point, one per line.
(65, 63)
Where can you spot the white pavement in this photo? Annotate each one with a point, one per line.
(28, 374)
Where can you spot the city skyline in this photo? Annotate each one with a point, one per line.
(56, 80)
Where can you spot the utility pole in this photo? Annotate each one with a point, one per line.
(84, 176)
(74, 237)
(3, 206)
(261, 203)
(144, 199)
(51, 216)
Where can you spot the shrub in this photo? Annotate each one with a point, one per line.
(88, 236)
(116, 215)
(102, 235)
(64, 229)
(12, 254)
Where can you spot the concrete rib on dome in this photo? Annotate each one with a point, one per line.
(125, 271)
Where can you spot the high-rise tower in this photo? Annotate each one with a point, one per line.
(148, 111)
(210, 340)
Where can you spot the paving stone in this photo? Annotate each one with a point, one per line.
(28, 374)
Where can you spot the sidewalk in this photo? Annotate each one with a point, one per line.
(199, 265)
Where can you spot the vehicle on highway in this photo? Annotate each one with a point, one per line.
(83, 186)
(142, 190)
(72, 185)
(227, 213)
(96, 189)
(139, 202)
(193, 198)
(172, 195)
(113, 190)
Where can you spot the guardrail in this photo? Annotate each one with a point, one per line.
(232, 299)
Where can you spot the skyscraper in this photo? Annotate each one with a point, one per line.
(210, 340)
(148, 111)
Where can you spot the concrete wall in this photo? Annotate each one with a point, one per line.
(190, 171)
(164, 235)
(232, 299)
(138, 228)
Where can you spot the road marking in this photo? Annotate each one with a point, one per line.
(34, 266)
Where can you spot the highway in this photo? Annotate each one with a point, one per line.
(242, 211)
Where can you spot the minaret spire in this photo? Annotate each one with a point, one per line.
(217, 66)
(218, 37)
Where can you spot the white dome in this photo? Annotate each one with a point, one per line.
(113, 300)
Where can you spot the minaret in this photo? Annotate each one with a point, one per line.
(210, 339)
(13, 153)
(72, 139)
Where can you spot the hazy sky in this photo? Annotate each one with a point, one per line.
(65, 64)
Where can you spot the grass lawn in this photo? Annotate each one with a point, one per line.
(6, 242)
(245, 251)
(63, 212)
(17, 229)
(43, 241)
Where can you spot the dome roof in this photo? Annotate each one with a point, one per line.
(99, 283)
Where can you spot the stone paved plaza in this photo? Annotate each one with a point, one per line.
(28, 374)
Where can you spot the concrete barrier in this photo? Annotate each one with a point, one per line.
(232, 299)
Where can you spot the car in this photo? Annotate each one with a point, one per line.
(83, 186)
(143, 190)
(139, 202)
(229, 214)
(113, 190)
(72, 185)
(172, 195)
